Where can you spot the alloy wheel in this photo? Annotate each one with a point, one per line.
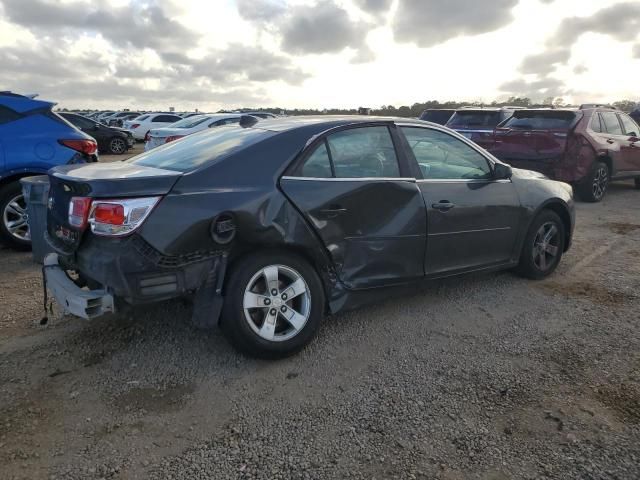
(600, 180)
(15, 218)
(277, 303)
(117, 146)
(546, 246)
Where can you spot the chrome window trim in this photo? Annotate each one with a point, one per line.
(463, 180)
(347, 179)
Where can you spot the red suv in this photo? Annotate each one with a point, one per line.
(586, 147)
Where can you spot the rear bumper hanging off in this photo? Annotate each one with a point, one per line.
(70, 297)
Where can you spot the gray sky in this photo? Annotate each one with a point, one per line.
(210, 54)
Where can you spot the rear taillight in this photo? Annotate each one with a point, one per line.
(120, 216)
(134, 126)
(79, 211)
(88, 147)
(172, 138)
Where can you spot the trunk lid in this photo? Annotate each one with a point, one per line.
(96, 180)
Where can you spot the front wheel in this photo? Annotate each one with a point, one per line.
(117, 146)
(543, 246)
(596, 183)
(274, 303)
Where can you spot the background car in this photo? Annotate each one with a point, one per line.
(478, 123)
(32, 140)
(117, 119)
(586, 147)
(187, 126)
(140, 126)
(275, 223)
(437, 115)
(112, 140)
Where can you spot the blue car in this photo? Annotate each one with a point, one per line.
(33, 139)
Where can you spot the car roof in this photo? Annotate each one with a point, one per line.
(282, 124)
(21, 103)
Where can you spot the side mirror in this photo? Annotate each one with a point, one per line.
(502, 171)
(633, 137)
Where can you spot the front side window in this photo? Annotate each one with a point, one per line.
(630, 127)
(611, 123)
(363, 152)
(441, 156)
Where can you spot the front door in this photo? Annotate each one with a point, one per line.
(472, 219)
(370, 217)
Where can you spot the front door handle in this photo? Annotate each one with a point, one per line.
(443, 205)
(610, 141)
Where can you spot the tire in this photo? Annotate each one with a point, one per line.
(595, 184)
(532, 265)
(252, 330)
(117, 146)
(12, 210)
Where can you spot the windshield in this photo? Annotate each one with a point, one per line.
(190, 122)
(203, 147)
(541, 120)
(475, 118)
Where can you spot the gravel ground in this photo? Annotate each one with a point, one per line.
(485, 377)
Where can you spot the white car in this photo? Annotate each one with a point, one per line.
(140, 126)
(187, 126)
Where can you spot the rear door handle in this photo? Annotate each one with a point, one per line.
(609, 140)
(443, 206)
(333, 211)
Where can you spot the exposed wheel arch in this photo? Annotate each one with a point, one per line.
(561, 209)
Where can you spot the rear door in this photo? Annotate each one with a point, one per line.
(630, 147)
(472, 219)
(615, 139)
(356, 191)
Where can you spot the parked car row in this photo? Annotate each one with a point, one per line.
(587, 146)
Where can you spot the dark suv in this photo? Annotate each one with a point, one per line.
(586, 147)
(478, 123)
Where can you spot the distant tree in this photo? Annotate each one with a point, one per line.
(625, 105)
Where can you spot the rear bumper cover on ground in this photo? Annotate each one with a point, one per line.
(70, 297)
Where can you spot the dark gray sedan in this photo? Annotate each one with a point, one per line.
(270, 225)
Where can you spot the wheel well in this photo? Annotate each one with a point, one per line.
(607, 160)
(289, 249)
(563, 213)
(15, 177)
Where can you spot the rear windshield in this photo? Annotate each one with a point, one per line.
(436, 116)
(546, 120)
(195, 150)
(142, 117)
(476, 118)
(190, 122)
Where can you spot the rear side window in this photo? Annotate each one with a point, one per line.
(363, 152)
(595, 123)
(318, 164)
(611, 123)
(545, 120)
(630, 127)
(436, 116)
(80, 121)
(7, 115)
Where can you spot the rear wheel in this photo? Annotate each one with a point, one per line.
(596, 183)
(117, 146)
(274, 303)
(543, 246)
(14, 229)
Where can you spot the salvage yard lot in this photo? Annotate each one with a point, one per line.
(490, 377)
